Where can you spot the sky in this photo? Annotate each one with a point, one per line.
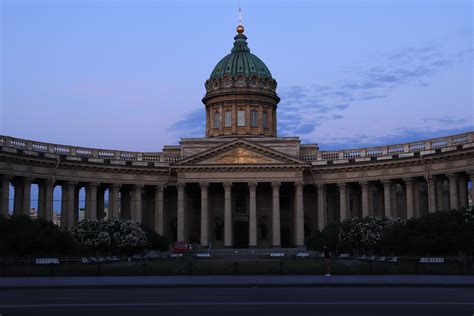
(129, 75)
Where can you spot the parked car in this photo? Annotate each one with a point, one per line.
(182, 247)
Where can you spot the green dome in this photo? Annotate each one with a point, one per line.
(240, 62)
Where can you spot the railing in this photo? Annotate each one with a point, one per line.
(395, 149)
(47, 148)
(170, 157)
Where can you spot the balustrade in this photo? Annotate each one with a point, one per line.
(378, 151)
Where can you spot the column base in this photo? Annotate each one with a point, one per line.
(276, 246)
(253, 246)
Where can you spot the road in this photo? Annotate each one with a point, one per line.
(239, 301)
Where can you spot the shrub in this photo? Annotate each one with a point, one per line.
(365, 234)
(155, 240)
(110, 235)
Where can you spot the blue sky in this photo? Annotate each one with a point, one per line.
(130, 74)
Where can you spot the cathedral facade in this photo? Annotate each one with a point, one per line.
(241, 185)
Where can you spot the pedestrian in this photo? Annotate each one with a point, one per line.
(327, 260)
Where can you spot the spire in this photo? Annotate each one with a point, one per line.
(240, 27)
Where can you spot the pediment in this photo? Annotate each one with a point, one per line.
(239, 156)
(240, 152)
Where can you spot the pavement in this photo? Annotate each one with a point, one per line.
(419, 301)
(238, 281)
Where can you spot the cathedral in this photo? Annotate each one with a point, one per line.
(241, 185)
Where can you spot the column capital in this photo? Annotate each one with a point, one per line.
(48, 182)
(430, 178)
(252, 184)
(92, 185)
(342, 185)
(115, 186)
(386, 181)
(276, 184)
(204, 185)
(70, 184)
(227, 185)
(364, 184)
(5, 177)
(180, 185)
(470, 173)
(452, 176)
(138, 187)
(299, 183)
(409, 181)
(28, 179)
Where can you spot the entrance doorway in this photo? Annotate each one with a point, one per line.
(241, 234)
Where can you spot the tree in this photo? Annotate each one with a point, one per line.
(23, 236)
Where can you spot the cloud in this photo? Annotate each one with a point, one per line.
(192, 125)
(412, 66)
(303, 109)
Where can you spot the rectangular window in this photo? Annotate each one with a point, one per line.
(240, 118)
(217, 119)
(265, 119)
(227, 118)
(253, 118)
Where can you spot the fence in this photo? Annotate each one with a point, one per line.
(190, 265)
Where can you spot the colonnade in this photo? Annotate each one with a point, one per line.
(444, 192)
(362, 198)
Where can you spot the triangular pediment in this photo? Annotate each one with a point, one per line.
(240, 152)
(238, 156)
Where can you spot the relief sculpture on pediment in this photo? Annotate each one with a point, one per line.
(240, 156)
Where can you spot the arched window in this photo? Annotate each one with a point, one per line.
(217, 119)
(227, 119)
(241, 118)
(265, 119)
(253, 118)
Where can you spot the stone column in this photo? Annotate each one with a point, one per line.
(69, 188)
(453, 191)
(409, 197)
(432, 194)
(462, 191)
(100, 202)
(91, 201)
(136, 212)
(371, 189)
(159, 210)
(416, 199)
(252, 214)
(299, 214)
(26, 196)
(387, 188)
(180, 212)
(342, 201)
(322, 208)
(114, 200)
(5, 200)
(41, 197)
(228, 214)
(47, 212)
(18, 197)
(439, 194)
(204, 213)
(276, 238)
(125, 203)
(365, 198)
(64, 211)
